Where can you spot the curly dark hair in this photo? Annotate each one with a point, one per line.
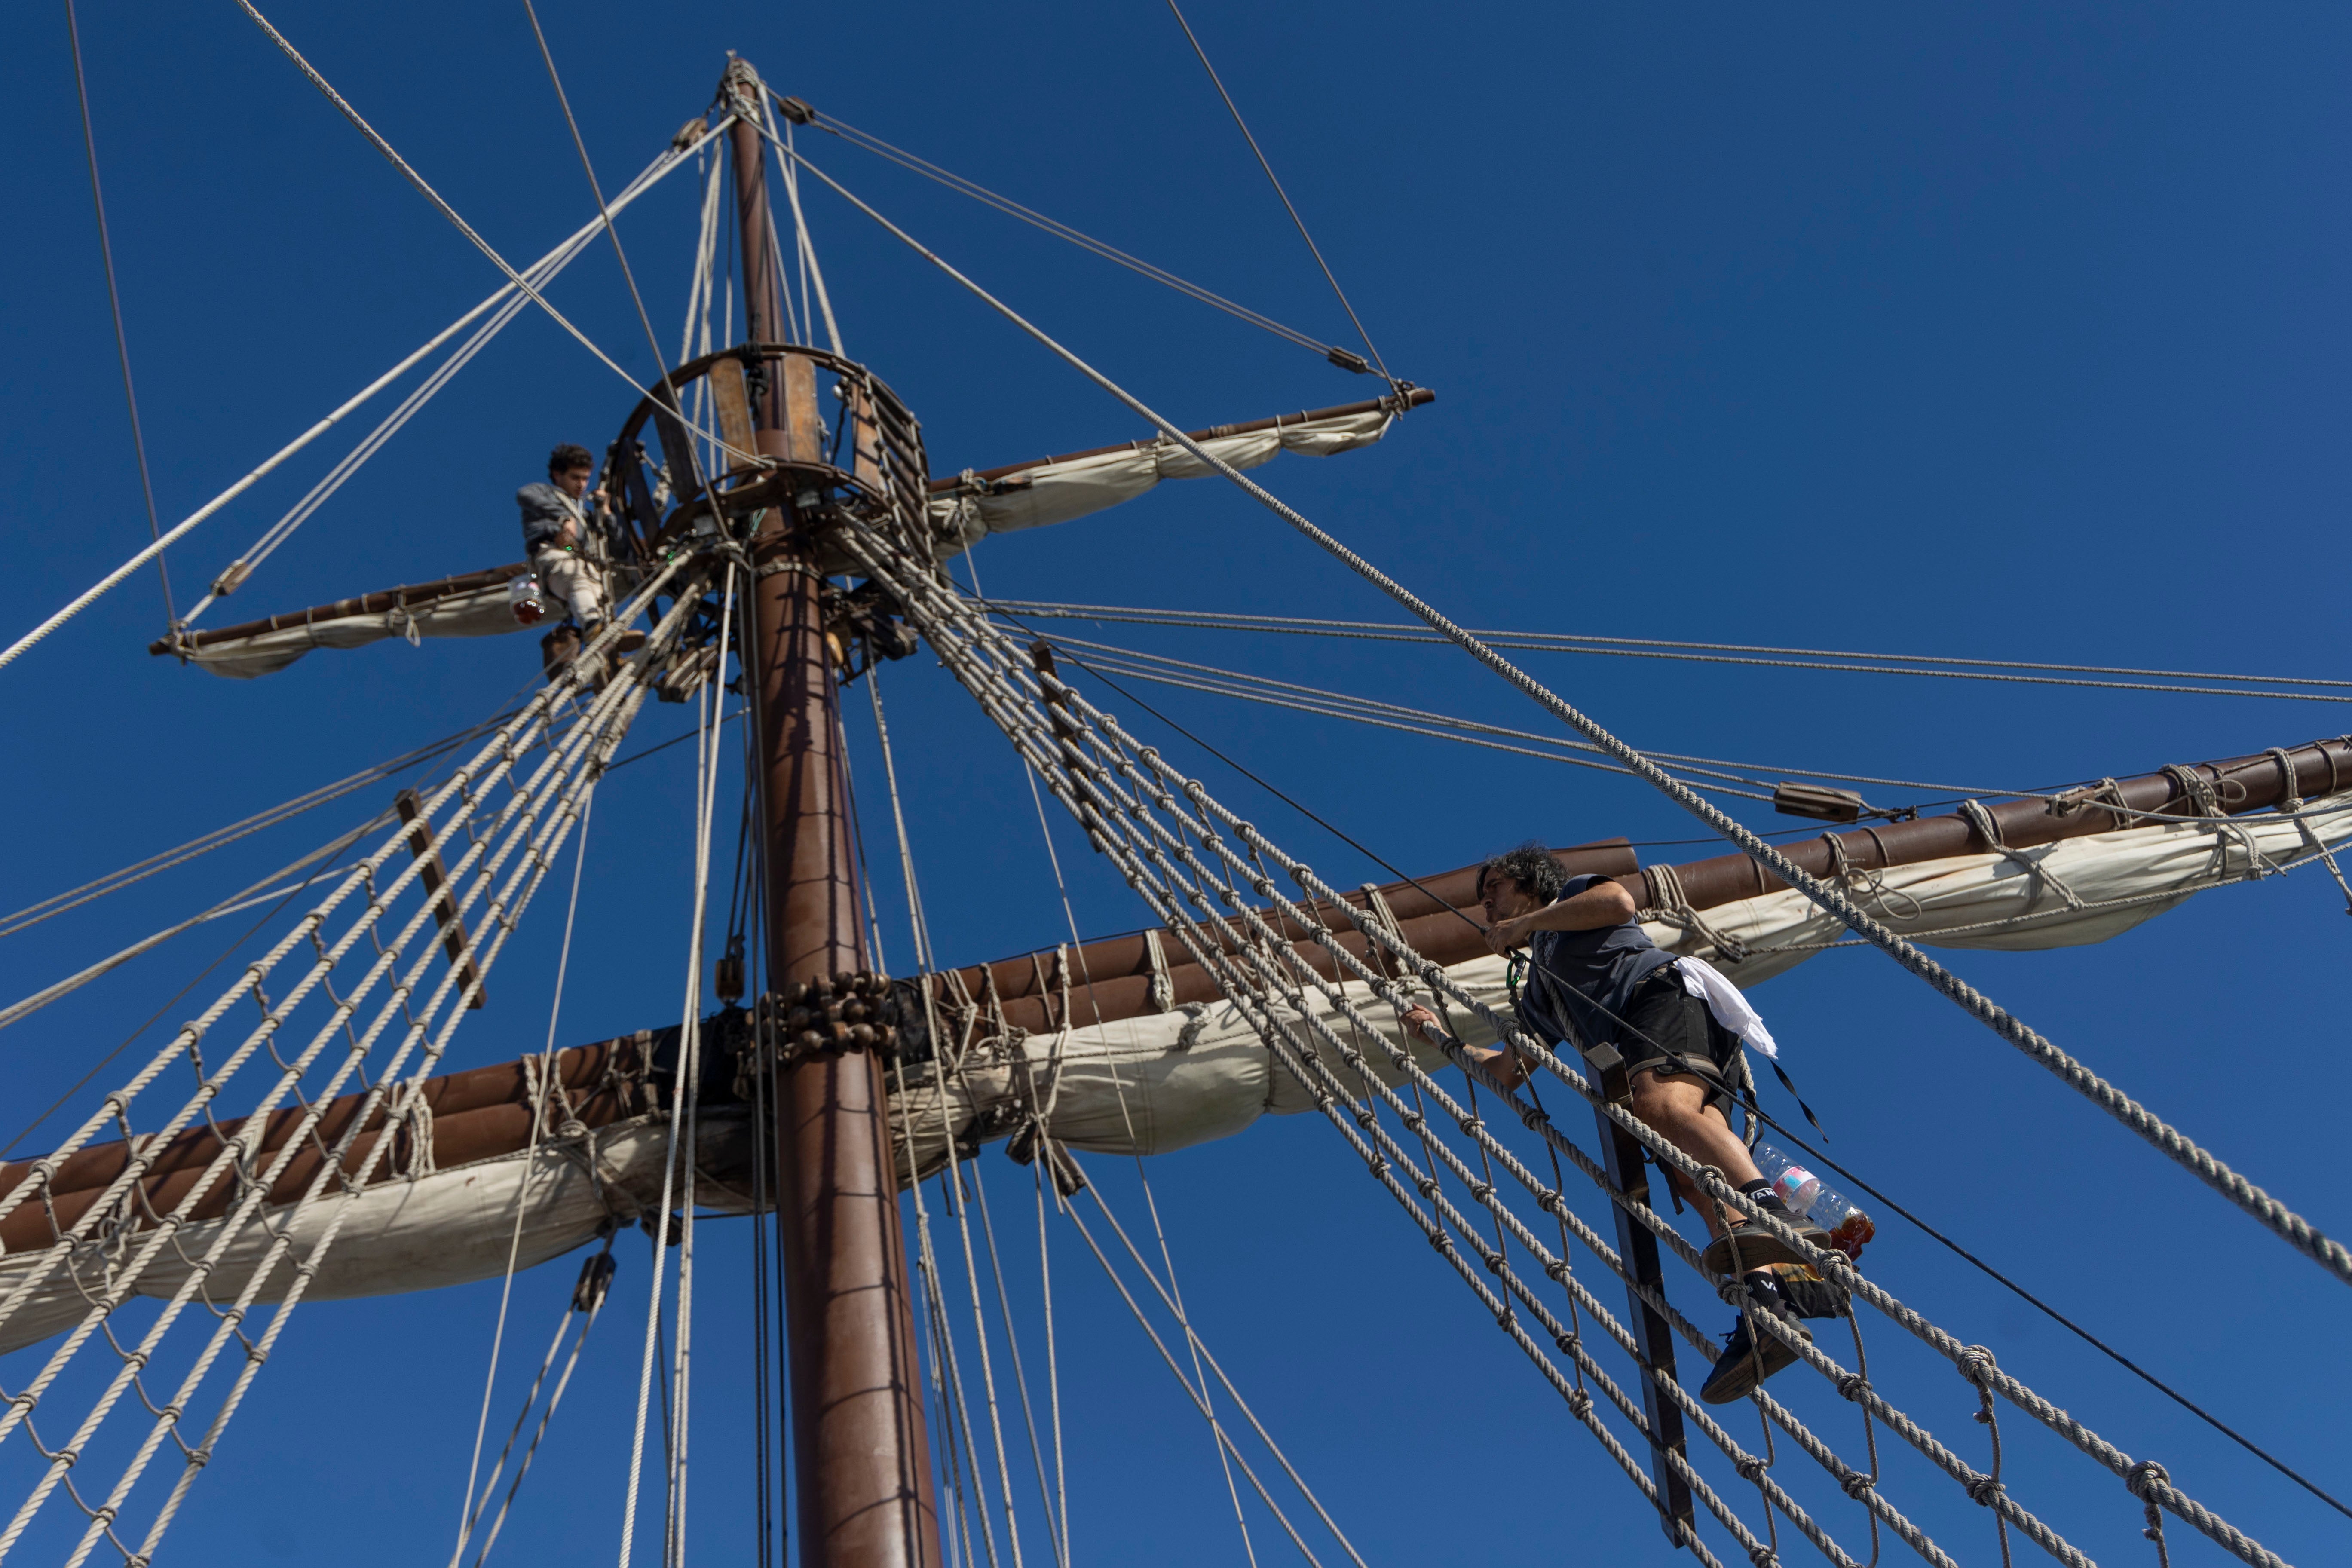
(567, 456)
(1529, 864)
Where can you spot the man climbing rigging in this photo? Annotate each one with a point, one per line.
(1596, 979)
(562, 526)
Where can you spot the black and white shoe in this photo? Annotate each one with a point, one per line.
(1745, 1363)
(1756, 1248)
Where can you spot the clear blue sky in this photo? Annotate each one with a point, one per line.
(2017, 332)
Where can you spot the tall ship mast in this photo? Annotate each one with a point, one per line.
(770, 535)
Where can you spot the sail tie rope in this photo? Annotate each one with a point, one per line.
(1105, 815)
(1987, 827)
(1674, 909)
(1867, 880)
(2291, 804)
(2282, 1221)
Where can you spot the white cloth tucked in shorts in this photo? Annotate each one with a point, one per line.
(1726, 1001)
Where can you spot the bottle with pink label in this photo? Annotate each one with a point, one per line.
(1808, 1196)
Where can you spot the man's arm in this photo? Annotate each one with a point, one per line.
(1508, 1067)
(1605, 903)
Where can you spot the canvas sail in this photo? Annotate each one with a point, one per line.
(1190, 1072)
(969, 507)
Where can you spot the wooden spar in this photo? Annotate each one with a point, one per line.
(1116, 977)
(364, 605)
(862, 1464)
(474, 1115)
(480, 1114)
(792, 377)
(1412, 397)
(423, 850)
(2241, 784)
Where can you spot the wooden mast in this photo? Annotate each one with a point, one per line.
(862, 1470)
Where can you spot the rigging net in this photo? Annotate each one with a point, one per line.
(227, 1220)
(1192, 859)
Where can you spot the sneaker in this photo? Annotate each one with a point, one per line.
(1745, 1363)
(1758, 1247)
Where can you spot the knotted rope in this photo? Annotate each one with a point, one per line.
(1674, 909)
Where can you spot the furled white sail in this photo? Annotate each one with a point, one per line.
(1165, 1081)
(2067, 894)
(478, 611)
(1059, 491)
(1032, 497)
(417, 1231)
(1149, 1085)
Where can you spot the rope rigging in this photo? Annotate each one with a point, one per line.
(517, 283)
(587, 1299)
(1192, 862)
(1203, 1395)
(114, 304)
(794, 109)
(391, 155)
(220, 837)
(235, 903)
(1748, 1103)
(510, 305)
(1105, 660)
(513, 816)
(1156, 825)
(680, 1141)
(2289, 1226)
(469, 1510)
(1930, 665)
(1175, 1307)
(1259, 153)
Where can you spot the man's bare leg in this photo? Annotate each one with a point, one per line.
(1677, 1108)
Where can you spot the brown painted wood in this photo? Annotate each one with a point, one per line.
(432, 874)
(864, 1496)
(803, 429)
(730, 401)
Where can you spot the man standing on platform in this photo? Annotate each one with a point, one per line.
(562, 532)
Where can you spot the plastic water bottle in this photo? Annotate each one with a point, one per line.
(523, 599)
(1808, 1196)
